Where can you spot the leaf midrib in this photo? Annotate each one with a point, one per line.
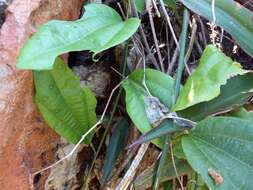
(67, 105)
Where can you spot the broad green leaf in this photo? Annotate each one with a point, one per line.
(100, 28)
(204, 84)
(66, 107)
(242, 113)
(235, 93)
(166, 127)
(223, 144)
(159, 84)
(145, 179)
(140, 5)
(116, 145)
(230, 15)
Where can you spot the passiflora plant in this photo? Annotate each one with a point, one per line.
(219, 143)
(219, 148)
(68, 108)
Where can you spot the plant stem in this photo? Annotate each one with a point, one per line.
(192, 39)
(86, 178)
(180, 69)
(191, 181)
(200, 184)
(197, 181)
(182, 43)
(147, 48)
(162, 161)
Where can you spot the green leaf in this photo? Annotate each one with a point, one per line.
(140, 5)
(159, 84)
(224, 144)
(100, 28)
(66, 107)
(204, 84)
(167, 185)
(178, 149)
(242, 113)
(116, 144)
(145, 179)
(171, 4)
(235, 93)
(230, 15)
(166, 127)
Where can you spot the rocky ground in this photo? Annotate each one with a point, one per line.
(27, 144)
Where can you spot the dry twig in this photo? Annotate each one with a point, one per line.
(192, 39)
(148, 50)
(169, 23)
(148, 7)
(175, 168)
(127, 179)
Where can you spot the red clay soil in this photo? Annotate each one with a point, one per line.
(27, 144)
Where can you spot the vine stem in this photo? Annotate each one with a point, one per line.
(110, 119)
(213, 24)
(174, 98)
(182, 54)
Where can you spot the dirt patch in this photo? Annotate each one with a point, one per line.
(68, 175)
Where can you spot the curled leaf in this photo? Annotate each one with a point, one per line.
(159, 85)
(214, 69)
(100, 28)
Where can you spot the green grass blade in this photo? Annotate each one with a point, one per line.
(116, 144)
